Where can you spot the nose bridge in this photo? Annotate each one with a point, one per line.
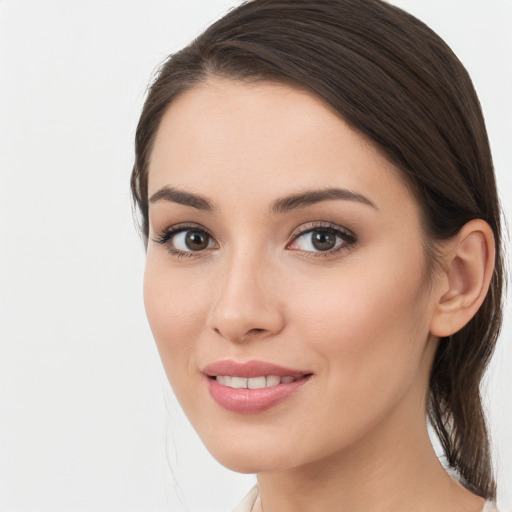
(246, 303)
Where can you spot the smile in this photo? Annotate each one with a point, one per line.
(252, 387)
(253, 382)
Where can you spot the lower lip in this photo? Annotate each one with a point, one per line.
(251, 401)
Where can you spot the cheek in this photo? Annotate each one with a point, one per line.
(175, 307)
(367, 332)
(365, 319)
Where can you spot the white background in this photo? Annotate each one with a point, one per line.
(87, 422)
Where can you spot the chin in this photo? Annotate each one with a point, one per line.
(245, 457)
(241, 459)
(241, 463)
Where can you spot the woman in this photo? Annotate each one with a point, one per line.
(324, 265)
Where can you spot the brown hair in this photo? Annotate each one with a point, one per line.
(393, 79)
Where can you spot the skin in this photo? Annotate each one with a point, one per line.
(354, 438)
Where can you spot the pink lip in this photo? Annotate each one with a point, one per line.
(250, 369)
(251, 401)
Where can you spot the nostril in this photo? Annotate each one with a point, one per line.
(256, 331)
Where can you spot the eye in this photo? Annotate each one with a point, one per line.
(322, 238)
(185, 240)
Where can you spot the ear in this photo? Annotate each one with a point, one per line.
(468, 268)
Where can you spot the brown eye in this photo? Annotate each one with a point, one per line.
(323, 240)
(320, 239)
(186, 240)
(196, 240)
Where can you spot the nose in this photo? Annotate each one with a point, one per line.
(247, 304)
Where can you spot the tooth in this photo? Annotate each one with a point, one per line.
(253, 382)
(256, 382)
(224, 380)
(273, 380)
(238, 382)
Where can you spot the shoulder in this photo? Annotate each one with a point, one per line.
(246, 505)
(490, 507)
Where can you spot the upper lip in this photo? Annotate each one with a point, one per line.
(250, 369)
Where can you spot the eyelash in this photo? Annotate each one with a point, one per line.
(165, 237)
(349, 238)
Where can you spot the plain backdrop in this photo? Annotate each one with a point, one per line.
(87, 420)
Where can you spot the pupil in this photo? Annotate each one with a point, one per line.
(323, 240)
(196, 241)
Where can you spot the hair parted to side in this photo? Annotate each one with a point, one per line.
(397, 82)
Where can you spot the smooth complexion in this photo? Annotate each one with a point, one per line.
(335, 287)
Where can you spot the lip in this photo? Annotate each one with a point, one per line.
(250, 369)
(252, 401)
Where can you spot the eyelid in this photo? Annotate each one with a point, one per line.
(312, 225)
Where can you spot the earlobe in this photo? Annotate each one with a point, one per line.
(468, 269)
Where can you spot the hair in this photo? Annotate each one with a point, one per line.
(397, 82)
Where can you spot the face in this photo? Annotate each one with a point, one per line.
(285, 278)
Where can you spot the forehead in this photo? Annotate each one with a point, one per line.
(263, 139)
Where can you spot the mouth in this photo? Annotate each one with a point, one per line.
(253, 382)
(252, 387)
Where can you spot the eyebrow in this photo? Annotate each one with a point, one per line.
(281, 205)
(310, 197)
(181, 197)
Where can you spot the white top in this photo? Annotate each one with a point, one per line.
(247, 504)
(251, 503)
